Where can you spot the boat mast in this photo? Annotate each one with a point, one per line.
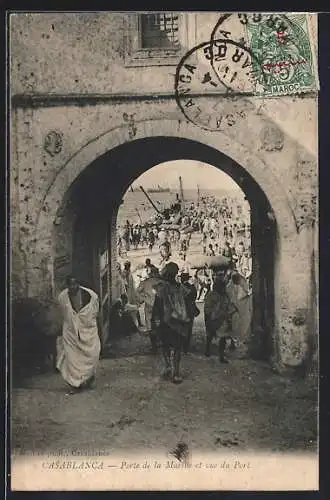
(198, 195)
(183, 206)
(181, 189)
(152, 203)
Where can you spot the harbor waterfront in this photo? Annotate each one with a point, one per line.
(135, 202)
(142, 211)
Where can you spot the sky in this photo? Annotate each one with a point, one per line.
(193, 173)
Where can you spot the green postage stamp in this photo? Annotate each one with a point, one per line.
(282, 48)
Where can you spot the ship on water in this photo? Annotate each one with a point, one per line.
(158, 189)
(165, 208)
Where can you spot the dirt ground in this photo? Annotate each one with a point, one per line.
(240, 406)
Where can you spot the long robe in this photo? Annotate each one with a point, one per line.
(147, 295)
(242, 298)
(174, 314)
(78, 350)
(130, 287)
(217, 310)
(119, 284)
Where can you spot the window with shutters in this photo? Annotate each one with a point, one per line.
(158, 38)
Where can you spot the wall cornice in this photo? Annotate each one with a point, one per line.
(83, 99)
(50, 100)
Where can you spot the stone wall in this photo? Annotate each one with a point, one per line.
(53, 143)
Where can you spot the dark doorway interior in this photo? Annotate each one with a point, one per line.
(96, 195)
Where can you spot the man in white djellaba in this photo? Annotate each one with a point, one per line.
(78, 349)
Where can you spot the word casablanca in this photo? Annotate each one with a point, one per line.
(74, 465)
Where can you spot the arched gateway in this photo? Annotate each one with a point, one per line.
(76, 226)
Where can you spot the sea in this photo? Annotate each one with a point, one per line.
(137, 208)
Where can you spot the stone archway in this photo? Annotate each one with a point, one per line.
(255, 165)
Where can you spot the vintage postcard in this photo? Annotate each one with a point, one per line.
(164, 250)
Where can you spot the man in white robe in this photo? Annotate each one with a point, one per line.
(78, 349)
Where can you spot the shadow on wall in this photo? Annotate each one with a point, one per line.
(35, 325)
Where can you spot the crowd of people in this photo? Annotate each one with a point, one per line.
(223, 225)
(168, 298)
(163, 302)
